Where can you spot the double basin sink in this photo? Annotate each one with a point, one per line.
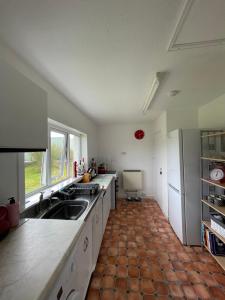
(66, 210)
(70, 203)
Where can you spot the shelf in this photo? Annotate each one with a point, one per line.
(221, 185)
(214, 134)
(219, 259)
(219, 209)
(213, 159)
(207, 224)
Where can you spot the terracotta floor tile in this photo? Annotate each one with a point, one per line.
(194, 277)
(122, 251)
(122, 260)
(108, 282)
(99, 269)
(107, 295)
(120, 295)
(112, 251)
(122, 271)
(208, 279)
(132, 253)
(111, 260)
(175, 291)
(201, 291)
(133, 271)
(133, 261)
(110, 270)
(171, 276)
(134, 296)
(134, 284)
(96, 282)
(220, 278)
(93, 294)
(147, 286)
(189, 292)
(121, 283)
(141, 258)
(161, 288)
(217, 293)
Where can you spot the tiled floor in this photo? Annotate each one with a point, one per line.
(141, 258)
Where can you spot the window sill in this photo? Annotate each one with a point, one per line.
(31, 200)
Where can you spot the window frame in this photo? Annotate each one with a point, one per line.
(47, 156)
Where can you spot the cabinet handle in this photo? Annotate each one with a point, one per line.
(86, 242)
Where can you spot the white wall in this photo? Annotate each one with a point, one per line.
(212, 115)
(119, 148)
(159, 161)
(186, 118)
(59, 109)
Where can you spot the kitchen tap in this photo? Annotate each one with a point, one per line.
(41, 198)
(51, 198)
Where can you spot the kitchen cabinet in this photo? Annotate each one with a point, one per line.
(83, 259)
(106, 206)
(74, 278)
(23, 112)
(97, 231)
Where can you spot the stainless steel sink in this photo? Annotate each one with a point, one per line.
(66, 210)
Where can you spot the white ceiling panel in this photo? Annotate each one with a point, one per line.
(200, 23)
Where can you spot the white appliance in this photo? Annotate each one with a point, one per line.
(184, 184)
(132, 180)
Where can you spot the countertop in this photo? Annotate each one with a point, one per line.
(32, 256)
(103, 180)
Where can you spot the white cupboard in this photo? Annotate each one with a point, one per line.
(106, 206)
(23, 112)
(97, 231)
(74, 278)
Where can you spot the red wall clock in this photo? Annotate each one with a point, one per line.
(139, 134)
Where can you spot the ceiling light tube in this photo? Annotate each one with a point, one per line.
(151, 96)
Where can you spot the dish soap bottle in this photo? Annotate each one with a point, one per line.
(13, 212)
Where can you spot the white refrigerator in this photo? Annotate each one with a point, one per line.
(184, 184)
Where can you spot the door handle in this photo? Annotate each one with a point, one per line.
(85, 245)
(173, 188)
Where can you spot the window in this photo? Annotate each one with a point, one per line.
(35, 171)
(43, 169)
(74, 151)
(59, 164)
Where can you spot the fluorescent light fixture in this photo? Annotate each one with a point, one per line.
(153, 90)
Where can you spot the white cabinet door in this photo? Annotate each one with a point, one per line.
(23, 113)
(83, 259)
(176, 212)
(96, 232)
(106, 206)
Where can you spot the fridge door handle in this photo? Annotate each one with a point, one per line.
(173, 188)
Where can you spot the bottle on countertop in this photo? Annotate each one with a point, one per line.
(75, 169)
(13, 212)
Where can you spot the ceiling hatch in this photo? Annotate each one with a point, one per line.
(200, 23)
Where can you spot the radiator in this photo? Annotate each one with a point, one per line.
(132, 180)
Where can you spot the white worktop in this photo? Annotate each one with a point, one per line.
(103, 180)
(32, 256)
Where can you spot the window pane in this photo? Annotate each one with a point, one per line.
(74, 151)
(58, 156)
(34, 171)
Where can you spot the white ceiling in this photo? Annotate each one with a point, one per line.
(102, 54)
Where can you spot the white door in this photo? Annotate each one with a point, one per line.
(157, 170)
(176, 212)
(174, 158)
